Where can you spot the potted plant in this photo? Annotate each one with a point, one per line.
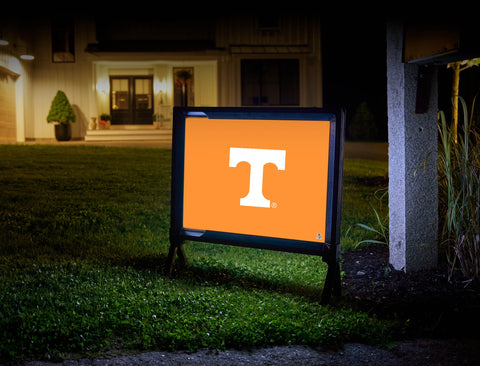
(104, 122)
(182, 77)
(61, 113)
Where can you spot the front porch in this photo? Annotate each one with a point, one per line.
(130, 133)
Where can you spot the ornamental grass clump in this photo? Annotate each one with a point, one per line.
(459, 188)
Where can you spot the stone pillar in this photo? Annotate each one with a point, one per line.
(412, 135)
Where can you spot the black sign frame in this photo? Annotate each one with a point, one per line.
(329, 249)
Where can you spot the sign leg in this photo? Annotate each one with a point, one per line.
(175, 250)
(332, 281)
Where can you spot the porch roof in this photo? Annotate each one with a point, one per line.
(151, 46)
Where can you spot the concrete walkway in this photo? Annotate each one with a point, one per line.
(415, 352)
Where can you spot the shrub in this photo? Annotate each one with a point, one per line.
(362, 127)
(60, 110)
(105, 117)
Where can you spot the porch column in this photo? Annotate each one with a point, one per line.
(413, 191)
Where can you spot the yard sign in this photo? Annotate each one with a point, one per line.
(263, 178)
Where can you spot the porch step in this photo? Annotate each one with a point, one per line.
(128, 135)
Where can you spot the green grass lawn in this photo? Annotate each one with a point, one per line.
(83, 245)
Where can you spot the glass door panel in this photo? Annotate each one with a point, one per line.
(120, 100)
(143, 101)
(120, 94)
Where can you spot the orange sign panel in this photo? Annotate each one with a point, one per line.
(264, 178)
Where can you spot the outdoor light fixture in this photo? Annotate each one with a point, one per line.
(3, 41)
(160, 86)
(103, 86)
(27, 56)
(20, 50)
(23, 52)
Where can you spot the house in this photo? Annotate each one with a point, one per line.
(137, 67)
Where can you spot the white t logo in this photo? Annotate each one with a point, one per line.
(257, 158)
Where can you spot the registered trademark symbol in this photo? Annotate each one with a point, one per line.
(274, 205)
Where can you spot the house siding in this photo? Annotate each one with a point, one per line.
(74, 78)
(20, 75)
(217, 71)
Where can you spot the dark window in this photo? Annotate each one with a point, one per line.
(270, 82)
(268, 21)
(63, 40)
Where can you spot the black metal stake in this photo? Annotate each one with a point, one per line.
(332, 284)
(175, 250)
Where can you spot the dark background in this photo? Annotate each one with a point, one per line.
(354, 63)
(354, 67)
